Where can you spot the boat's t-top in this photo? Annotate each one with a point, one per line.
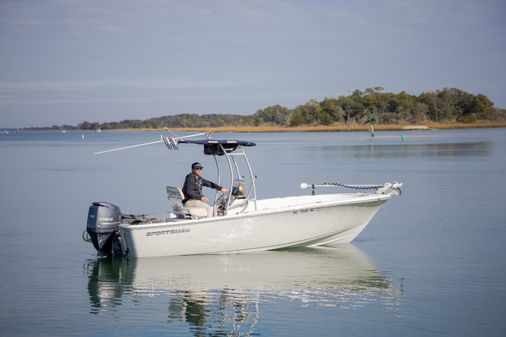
(241, 186)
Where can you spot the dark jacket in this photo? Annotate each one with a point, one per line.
(192, 188)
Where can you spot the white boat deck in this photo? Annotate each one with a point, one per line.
(313, 200)
(265, 206)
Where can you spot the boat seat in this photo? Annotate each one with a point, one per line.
(176, 196)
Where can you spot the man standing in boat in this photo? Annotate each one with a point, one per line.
(192, 189)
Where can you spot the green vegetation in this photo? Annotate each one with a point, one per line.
(175, 121)
(448, 105)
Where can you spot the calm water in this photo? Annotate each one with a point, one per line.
(431, 263)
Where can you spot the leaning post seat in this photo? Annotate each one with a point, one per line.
(176, 196)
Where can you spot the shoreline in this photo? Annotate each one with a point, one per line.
(279, 129)
(329, 128)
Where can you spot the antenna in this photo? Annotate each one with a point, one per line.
(170, 142)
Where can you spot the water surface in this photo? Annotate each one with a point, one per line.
(431, 263)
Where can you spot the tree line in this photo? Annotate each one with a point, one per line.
(446, 105)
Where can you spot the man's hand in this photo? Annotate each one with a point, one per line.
(204, 198)
(224, 190)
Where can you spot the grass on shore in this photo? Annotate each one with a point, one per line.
(336, 127)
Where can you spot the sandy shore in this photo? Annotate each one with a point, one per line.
(336, 127)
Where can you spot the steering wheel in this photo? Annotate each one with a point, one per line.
(221, 203)
(221, 199)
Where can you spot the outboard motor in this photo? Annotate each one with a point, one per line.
(103, 225)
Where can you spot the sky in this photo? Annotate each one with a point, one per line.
(65, 61)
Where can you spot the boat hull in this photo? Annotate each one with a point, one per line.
(308, 224)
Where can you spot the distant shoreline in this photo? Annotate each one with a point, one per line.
(320, 128)
(331, 128)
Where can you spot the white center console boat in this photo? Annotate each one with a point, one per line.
(241, 221)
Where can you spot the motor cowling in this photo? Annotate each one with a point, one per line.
(103, 228)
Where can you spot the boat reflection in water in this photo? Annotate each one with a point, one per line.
(224, 294)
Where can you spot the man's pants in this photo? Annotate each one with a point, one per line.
(201, 204)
